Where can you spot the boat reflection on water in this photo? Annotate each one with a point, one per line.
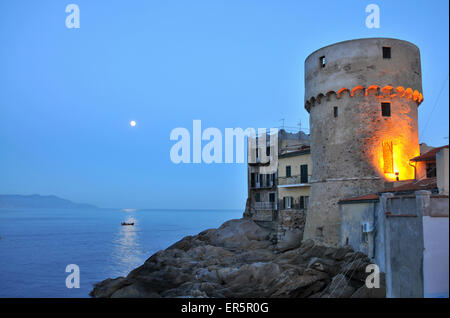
(129, 210)
(127, 251)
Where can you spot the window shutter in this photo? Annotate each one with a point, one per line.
(304, 174)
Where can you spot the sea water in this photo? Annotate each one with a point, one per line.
(36, 245)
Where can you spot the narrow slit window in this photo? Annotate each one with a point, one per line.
(335, 111)
(323, 61)
(386, 109)
(386, 52)
(388, 157)
(319, 231)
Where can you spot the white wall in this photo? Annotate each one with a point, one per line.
(442, 171)
(435, 267)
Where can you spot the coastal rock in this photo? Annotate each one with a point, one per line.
(364, 292)
(109, 286)
(340, 287)
(239, 259)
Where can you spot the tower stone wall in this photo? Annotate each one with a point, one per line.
(355, 146)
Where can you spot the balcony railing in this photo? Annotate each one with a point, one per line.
(294, 206)
(265, 205)
(293, 180)
(262, 185)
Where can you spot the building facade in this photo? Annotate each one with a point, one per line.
(294, 174)
(263, 201)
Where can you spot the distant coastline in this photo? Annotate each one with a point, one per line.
(36, 201)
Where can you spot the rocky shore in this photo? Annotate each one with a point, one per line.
(240, 259)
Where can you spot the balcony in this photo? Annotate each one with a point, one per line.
(258, 162)
(295, 205)
(262, 185)
(265, 205)
(293, 181)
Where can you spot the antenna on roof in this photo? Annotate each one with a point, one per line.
(282, 121)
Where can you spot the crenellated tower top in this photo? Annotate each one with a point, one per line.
(388, 66)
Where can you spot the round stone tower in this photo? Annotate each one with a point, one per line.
(362, 96)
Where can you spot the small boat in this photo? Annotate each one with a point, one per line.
(129, 210)
(125, 223)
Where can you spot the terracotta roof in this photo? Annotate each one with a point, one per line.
(304, 151)
(424, 184)
(429, 155)
(367, 197)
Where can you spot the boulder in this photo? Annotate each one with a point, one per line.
(109, 286)
(340, 287)
(364, 292)
(290, 240)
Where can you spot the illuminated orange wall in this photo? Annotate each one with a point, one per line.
(361, 129)
(401, 128)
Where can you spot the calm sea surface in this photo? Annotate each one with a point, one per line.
(36, 245)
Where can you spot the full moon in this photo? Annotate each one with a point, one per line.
(132, 123)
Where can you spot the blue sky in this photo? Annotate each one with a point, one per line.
(67, 95)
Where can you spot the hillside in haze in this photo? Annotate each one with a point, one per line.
(40, 202)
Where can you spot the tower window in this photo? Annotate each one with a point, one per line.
(386, 109)
(323, 61)
(319, 231)
(386, 52)
(335, 111)
(388, 157)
